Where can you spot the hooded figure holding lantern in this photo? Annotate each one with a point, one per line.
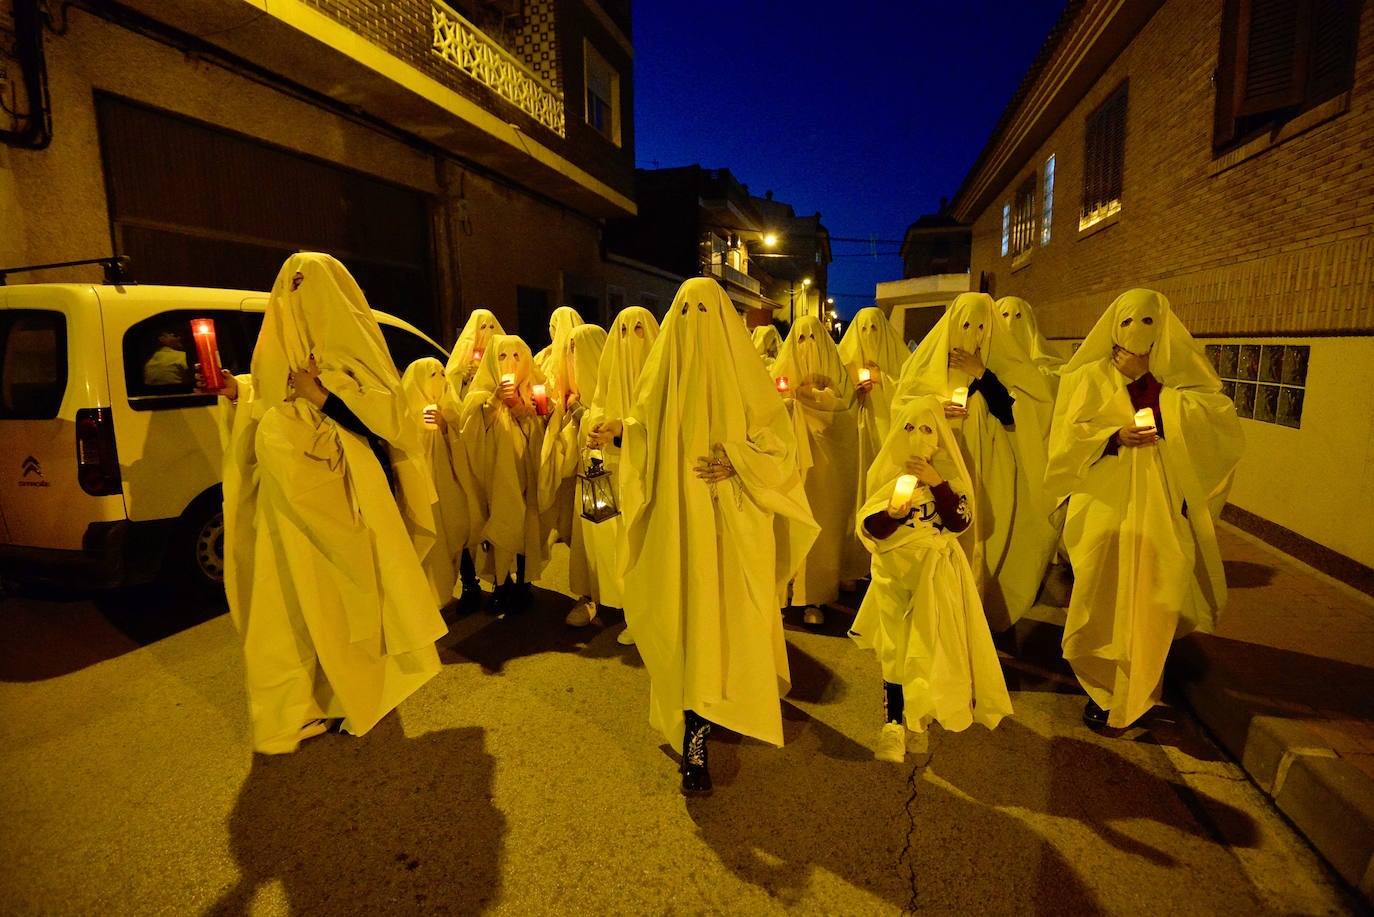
(322, 564)
(1143, 448)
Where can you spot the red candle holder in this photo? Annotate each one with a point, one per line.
(541, 400)
(207, 353)
(782, 383)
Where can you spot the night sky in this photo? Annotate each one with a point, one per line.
(869, 111)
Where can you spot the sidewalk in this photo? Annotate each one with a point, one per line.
(1286, 686)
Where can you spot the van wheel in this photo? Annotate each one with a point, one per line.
(196, 555)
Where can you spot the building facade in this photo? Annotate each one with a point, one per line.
(455, 154)
(1217, 151)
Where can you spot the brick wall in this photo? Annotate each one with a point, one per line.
(1279, 242)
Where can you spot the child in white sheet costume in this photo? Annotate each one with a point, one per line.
(708, 465)
(1142, 500)
(503, 433)
(921, 614)
(425, 384)
(322, 564)
(820, 400)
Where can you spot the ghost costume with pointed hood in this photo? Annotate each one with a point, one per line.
(767, 343)
(1140, 526)
(505, 450)
(572, 381)
(467, 352)
(1012, 539)
(561, 323)
(322, 565)
(872, 343)
(703, 566)
(921, 614)
(425, 383)
(820, 401)
(1019, 318)
(631, 337)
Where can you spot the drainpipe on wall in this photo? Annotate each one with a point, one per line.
(35, 132)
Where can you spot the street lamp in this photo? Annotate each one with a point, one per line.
(792, 297)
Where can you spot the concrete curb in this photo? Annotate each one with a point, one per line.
(1327, 799)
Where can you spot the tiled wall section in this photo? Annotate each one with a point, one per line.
(535, 42)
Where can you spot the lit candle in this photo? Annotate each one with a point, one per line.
(541, 400)
(207, 353)
(477, 356)
(960, 397)
(865, 375)
(1145, 417)
(508, 378)
(903, 492)
(782, 383)
(594, 455)
(432, 416)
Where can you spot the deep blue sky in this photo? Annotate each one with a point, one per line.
(869, 111)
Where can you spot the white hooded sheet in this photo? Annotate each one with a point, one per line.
(702, 564)
(424, 383)
(820, 401)
(871, 342)
(1144, 572)
(572, 381)
(921, 614)
(1020, 321)
(322, 569)
(1012, 538)
(767, 343)
(472, 341)
(561, 323)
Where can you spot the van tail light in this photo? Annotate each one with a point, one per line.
(97, 464)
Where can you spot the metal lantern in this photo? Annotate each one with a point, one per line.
(598, 494)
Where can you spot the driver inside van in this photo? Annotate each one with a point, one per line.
(167, 365)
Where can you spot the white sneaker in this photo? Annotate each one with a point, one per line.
(891, 743)
(813, 615)
(582, 614)
(625, 638)
(918, 743)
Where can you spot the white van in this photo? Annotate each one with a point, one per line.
(109, 463)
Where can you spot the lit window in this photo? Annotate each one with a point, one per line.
(1104, 156)
(1048, 211)
(1023, 218)
(1006, 227)
(603, 94)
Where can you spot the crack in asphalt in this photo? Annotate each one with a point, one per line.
(913, 781)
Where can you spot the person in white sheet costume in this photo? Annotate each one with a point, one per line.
(1142, 502)
(631, 337)
(767, 343)
(467, 352)
(872, 343)
(1019, 318)
(572, 380)
(1002, 432)
(921, 614)
(425, 385)
(708, 464)
(503, 435)
(561, 323)
(820, 400)
(322, 564)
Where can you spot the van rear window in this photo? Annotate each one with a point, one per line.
(33, 364)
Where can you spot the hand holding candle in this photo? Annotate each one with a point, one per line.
(782, 384)
(507, 391)
(960, 397)
(541, 400)
(900, 505)
(865, 374)
(1145, 419)
(207, 354)
(432, 417)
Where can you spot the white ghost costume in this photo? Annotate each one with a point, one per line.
(872, 343)
(425, 383)
(505, 450)
(631, 336)
(467, 353)
(1019, 318)
(1012, 538)
(1140, 525)
(921, 614)
(572, 380)
(767, 343)
(561, 323)
(322, 564)
(820, 401)
(703, 566)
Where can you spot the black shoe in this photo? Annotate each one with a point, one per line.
(696, 778)
(1094, 717)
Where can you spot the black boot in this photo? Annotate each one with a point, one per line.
(696, 778)
(1094, 717)
(471, 599)
(894, 703)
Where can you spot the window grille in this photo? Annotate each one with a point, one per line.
(1104, 155)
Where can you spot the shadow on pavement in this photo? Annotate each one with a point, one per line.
(491, 642)
(1244, 574)
(377, 824)
(47, 631)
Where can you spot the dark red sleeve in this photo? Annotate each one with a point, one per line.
(951, 507)
(880, 525)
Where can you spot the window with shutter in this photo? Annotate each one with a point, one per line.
(603, 94)
(1023, 217)
(1278, 59)
(1104, 157)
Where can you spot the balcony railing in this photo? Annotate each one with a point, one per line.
(726, 272)
(470, 50)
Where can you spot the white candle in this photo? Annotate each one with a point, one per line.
(508, 378)
(782, 383)
(960, 396)
(903, 492)
(594, 455)
(865, 375)
(1145, 417)
(431, 415)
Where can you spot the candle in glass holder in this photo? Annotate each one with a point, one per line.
(782, 383)
(865, 374)
(594, 455)
(1145, 417)
(207, 353)
(960, 397)
(541, 400)
(431, 417)
(904, 491)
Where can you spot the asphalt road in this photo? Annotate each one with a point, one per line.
(524, 779)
